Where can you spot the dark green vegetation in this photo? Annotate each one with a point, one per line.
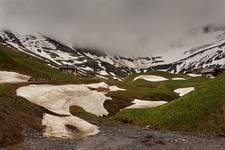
(81, 113)
(202, 110)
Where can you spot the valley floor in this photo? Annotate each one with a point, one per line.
(123, 138)
(46, 90)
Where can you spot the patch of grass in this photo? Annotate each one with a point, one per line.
(142, 89)
(198, 111)
(168, 84)
(145, 93)
(80, 112)
(145, 90)
(2, 88)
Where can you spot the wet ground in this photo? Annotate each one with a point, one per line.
(123, 138)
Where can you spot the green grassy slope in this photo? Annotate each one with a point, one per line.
(145, 90)
(166, 85)
(157, 73)
(142, 89)
(201, 110)
(14, 61)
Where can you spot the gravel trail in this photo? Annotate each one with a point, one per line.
(123, 138)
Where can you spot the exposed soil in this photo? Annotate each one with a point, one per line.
(16, 114)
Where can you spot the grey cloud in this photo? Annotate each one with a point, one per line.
(127, 27)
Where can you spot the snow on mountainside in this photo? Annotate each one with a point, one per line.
(209, 56)
(205, 50)
(87, 61)
(208, 50)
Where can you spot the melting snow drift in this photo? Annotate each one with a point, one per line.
(178, 79)
(12, 77)
(184, 91)
(145, 104)
(194, 75)
(55, 126)
(59, 99)
(151, 78)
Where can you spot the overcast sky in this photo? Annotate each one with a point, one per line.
(128, 27)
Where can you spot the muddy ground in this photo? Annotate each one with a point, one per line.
(123, 138)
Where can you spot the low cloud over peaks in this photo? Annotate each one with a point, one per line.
(126, 27)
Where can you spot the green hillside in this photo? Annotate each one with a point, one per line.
(152, 91)
(202, 110)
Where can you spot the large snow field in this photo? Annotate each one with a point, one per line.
(151, 78)
(12, 77)
(59, 99)
(145, 104)
(184, 91)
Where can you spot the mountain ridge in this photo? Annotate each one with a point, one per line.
(90, 61)
(86, 60)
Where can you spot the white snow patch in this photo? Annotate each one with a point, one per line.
(184, 91)
(50, 65)
(116, 78)
(151, 78)
(12, 77)
(145, 104)
(90, 55)
(87, 68)
(104, 85)
(98, 85)
(178, 79)
(55, 126)
(103, 73)
(59, 98)
(194, 75)
(115, 88)
(113, 74)
(101, 77)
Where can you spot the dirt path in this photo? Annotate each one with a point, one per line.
(124, 138)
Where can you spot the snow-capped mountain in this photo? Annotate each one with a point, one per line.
(208, 50)
(87, 61)
(204, 57)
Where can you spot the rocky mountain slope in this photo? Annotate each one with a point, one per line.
(88, 61)
(204, 57)
(208, 52)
